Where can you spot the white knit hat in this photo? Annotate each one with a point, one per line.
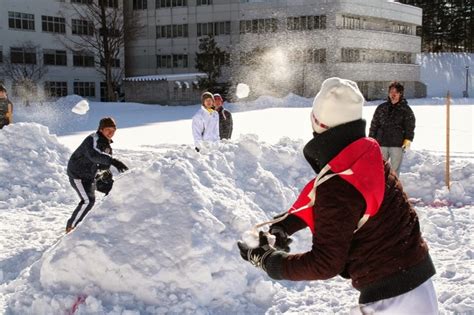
(339, 101)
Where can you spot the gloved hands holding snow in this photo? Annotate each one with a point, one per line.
(406, 144)
(282, 241)
(257, 256)
(120, 166)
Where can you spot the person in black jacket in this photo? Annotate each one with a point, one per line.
(393, 126)
(94, 154)
(225, 118)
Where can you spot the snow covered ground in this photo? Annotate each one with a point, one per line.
(163, 241)
(447, 71)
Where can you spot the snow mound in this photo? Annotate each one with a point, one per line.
(164, 240)
(34, 162)
(423, 177)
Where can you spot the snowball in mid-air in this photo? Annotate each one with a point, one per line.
(242, 90)
(81, 107)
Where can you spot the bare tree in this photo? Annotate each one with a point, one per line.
(100, 28)
(25, 68)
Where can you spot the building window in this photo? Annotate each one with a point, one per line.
(180, 61)
(252, 57)
(259, 26)
(140, 4)
(53, 24)
(203, 2)
(172, 61)
(351, 22)
(213, 29)
(171, 3)
(402, 29)
(316, 56)
(111, 32)
(21, 21)
(83, 60)
(220, 60)
(375, 56)
(19, 89)
(306, 23)
(172, 31)
(115, 63)
(163, 61)
(82, 27)
(55, 88)
(109, 3)
(23, 55)
(55, 57)
(82, 1)
(350, 55)
(85, 89)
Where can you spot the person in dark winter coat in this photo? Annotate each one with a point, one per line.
(6, 108)
(393, 126)
(225, 118)
(363, 226)
(94, 154)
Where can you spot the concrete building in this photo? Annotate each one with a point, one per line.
(37, 36)
(282, 46)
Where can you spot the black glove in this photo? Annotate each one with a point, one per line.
(282, 241)
(119, 165)
(256, 256)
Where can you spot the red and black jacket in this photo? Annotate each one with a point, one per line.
(383, 254)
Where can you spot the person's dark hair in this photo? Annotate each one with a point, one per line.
(107, 122)
(3, 88)
(398, 86)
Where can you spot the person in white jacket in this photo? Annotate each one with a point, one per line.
(205, 122)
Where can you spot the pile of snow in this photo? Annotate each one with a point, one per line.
(35, 195)
(423, 177)
(34, 163)
(164, 240)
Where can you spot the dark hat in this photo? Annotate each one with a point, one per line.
(3, 88)
(206, 95)
(107, 122)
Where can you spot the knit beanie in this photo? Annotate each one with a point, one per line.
(107, 122)
(339, 101)
(205, 96)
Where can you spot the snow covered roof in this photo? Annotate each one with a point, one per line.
(168, 77)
